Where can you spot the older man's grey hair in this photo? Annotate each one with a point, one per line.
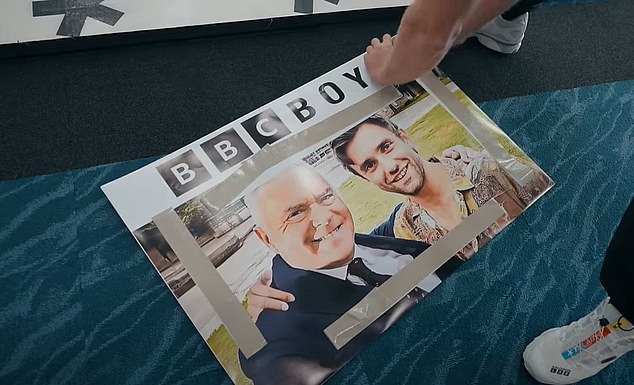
(251, 198)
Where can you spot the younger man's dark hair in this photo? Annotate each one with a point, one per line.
(339, 145)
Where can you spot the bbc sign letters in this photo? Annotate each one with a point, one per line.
(226, 149)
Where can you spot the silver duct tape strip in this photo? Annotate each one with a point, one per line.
(384, 297)
(478, 127)
(224, 302)
(224, 193)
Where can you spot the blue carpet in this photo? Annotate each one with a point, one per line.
(81, 304)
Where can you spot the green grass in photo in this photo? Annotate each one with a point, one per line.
(373, 209)
(226, 350)
(227, 353)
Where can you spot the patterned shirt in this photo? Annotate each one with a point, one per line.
(475, 183)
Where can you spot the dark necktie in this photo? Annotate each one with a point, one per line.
(371, 278)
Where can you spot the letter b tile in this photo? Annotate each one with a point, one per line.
(183, 172)
(226, 150)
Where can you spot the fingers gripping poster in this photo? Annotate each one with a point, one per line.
(326, 214)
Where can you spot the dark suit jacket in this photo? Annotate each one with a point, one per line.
(298, 352)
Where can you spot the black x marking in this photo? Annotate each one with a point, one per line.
(306, 6)
(75, 13)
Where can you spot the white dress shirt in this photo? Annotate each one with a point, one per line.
(386, 262)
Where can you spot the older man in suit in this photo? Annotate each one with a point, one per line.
(328, 268)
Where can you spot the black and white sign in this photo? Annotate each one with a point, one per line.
(28, 20)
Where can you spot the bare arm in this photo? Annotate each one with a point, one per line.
(429, 28)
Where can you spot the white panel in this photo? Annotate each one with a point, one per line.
(17, 23)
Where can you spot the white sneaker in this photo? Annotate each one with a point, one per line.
(571, 353)
(504, 36)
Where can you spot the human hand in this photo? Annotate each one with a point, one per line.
(377, 57)
(262, 296)
(462, 153)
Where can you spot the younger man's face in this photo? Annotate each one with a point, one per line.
(386, 160)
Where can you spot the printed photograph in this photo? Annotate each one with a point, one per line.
(311, 236)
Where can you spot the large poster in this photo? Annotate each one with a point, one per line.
(309, 205)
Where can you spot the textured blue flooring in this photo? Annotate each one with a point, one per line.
(81, 304)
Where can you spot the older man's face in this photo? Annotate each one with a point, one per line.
(305, 221)
(386, 160)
